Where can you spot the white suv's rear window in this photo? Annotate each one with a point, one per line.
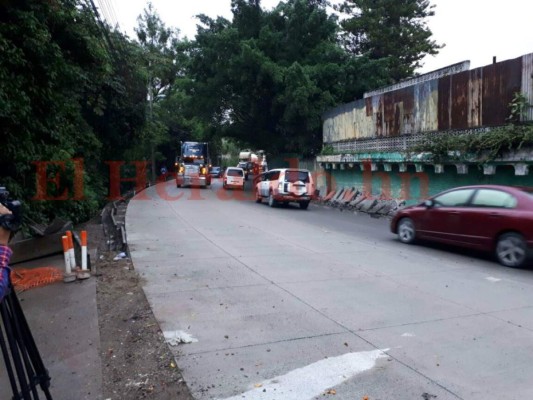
(295, 176)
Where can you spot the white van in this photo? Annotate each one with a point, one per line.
(233, 178)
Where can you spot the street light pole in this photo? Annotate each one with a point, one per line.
(151, 116)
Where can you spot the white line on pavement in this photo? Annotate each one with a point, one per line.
(314, 379)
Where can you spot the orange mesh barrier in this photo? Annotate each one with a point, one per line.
(24, 279)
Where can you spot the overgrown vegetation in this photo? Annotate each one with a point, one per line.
(77, 94)
(479, 147)
(486, 145)
(327, 150)
(518, 108)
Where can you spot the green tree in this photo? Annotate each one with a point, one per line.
(64, 96)
(159, 45)
(49, 69)
(266, 77)
(395, 30)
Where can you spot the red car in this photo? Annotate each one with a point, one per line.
(491, 218)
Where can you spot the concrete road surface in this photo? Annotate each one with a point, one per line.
(283, 303)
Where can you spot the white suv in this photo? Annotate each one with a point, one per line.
(285, 185)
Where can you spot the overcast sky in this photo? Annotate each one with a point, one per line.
(474, 30)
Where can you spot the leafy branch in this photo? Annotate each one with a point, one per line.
(518, 108)
(328, 150)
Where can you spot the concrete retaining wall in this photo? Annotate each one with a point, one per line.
(413, 186)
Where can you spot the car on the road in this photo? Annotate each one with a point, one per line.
(494, 218)
(233, 178)
(285, 185)
(215, 172)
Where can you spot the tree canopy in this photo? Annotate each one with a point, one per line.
(266, 77)
(392, 30)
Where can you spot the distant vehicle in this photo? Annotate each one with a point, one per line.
(245, 167)
(215, 172)
(285, 185)
(192, 165)
(491, 218)
(233, 178)
(253, 162)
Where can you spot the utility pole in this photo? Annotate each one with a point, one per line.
(151, 118)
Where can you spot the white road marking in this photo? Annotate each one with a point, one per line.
(492, 279)
(407, 334)
(314, 379)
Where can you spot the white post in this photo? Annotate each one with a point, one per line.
(72, 255)
(66, 254)
(84, 250)
(68, 276)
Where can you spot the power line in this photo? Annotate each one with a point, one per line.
(102, 11)
(111, 13)
(105, 11)
(114, 14)
(102, 27)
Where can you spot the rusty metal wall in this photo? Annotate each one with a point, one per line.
(475, 87)
(459, 106)
(426, 102)
(500, 82)
(339, 122)
(527, 83)
(460, 100)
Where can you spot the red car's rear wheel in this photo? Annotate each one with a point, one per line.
(511, 250)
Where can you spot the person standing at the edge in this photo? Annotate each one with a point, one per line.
(5, 256)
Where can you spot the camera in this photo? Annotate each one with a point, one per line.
(11, 222)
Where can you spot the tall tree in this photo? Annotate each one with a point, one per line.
(266, 78)
(395, 30)
(63, 96)
(159, 45)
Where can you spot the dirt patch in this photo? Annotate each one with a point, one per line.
(136, 361)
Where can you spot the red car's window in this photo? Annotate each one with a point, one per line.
(493, 198)
(456, 198)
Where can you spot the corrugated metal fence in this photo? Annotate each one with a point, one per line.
(466, 99)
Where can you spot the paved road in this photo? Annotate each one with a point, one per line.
(291, 304)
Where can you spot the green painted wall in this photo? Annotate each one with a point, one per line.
(413, 186)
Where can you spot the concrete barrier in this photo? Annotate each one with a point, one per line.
(353, 199)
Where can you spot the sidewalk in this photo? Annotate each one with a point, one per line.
(114, 346)
(64, 322)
